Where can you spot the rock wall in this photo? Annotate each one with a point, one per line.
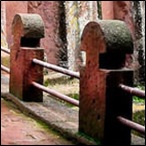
(13, 7)
(49, 11)
(78, 14)
(138, 9)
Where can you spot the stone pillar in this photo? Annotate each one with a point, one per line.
(131, 13)
(27, 30)
(106, 44)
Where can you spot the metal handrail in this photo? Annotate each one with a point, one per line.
(130, 90)
(5, 50)
(56, 68)
(131, 124)
(57, 94)
(133, 91)
(5, 69)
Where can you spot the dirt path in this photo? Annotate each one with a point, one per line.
(18, 129)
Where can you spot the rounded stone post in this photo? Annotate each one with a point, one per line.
(27, 31)
(106, 44)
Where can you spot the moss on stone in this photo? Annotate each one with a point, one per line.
(5, 61)
(117, 35)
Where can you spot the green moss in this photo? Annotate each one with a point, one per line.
(89, 138)
(42, 124)
(59, 80)
(139, 117)
(5, 61)
(138, 100)
(74, 95)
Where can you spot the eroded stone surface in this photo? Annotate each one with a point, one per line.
(17, 129)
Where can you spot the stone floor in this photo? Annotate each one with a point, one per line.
(19, 129)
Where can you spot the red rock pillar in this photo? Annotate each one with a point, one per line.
(106, 44)
(107, 9)
(27, 30)
(49, 11)
(123, 11)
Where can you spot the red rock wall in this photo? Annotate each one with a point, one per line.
(51, 14)
(120, 10)
(107, 9)
(123, 11)
(13, 7)
(49, 11)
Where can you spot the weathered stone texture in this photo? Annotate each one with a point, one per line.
(122, 11)
(23, 50)
(78, 14)
(65, 32)
(138, 9)
(133, 13)
(99, 80)
(33, 27)
(107, 9)
(117, 35)
(49, 11)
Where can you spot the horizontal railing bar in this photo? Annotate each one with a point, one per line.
(5, 69)
(5, 50)
(131, 124)
(133, 91)
(56, 68)
(57, 94)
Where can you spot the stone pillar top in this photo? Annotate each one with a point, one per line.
(109, 37)
(28, 26)
(114, 33)
(117, 35)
